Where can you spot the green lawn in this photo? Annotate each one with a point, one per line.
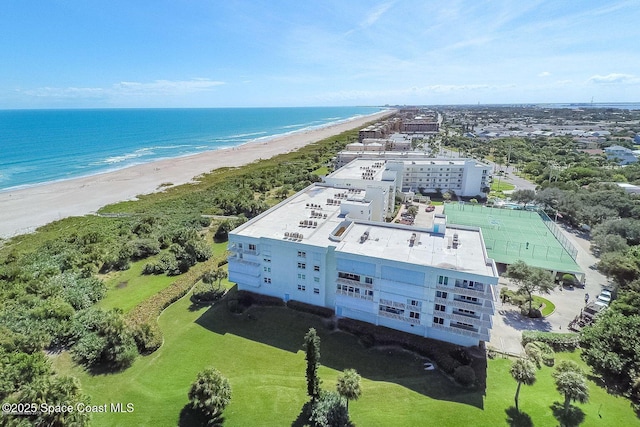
(548, 308)
(501, 186)
(128, 288)
(262, 357)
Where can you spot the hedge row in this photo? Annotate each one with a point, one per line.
(143, 318)
(447, 356)
(557, 341)
(309, 308)
(247, 299)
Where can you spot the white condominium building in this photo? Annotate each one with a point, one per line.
(466, 177)
(322, 247)
(416, 173)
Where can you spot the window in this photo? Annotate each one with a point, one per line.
(440, 294)
(440, 307)
(442, 280)
(316, 290)
(349, 276)
(252, 247)
(267, 269)
(414, 315)
(301, 288)
(470, 299)
(302, 254)
(392, 310)
(267, 280)
(316, 268)
(369, 293)
(368, 280)
(438, 320)
(301, 276)
(316, 279)
(266, 260)
(302, 265)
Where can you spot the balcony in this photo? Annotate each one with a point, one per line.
(410, 320)
(354, 295)
(350, 282)
(487, 307)
(461, 291)
(482, 334)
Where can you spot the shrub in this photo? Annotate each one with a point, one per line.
(309, 308)
(534, 354)
(464, 375)
(203, 292)
(557, 341)
(247, 299)
(461, 355)
(148, 337)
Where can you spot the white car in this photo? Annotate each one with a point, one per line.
(604, 298)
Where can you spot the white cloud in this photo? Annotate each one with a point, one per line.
(613, 78)
(544, 74)
(165, 87)
(157, 87)
(65, 92)
(373, 16)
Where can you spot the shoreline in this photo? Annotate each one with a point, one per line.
(23, 210)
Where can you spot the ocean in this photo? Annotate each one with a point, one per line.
(40, 146)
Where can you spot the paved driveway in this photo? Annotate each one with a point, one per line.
(507, 322)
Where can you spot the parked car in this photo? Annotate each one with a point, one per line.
(604, 298)
(430, 208)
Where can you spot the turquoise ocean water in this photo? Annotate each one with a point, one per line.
(38, 146)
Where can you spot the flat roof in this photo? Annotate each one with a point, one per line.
(357, 167)
(428, 249)
(388, 241)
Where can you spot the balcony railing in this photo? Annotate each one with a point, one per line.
(350, 282)
(398, 317)
(354, 295)
(478, 307)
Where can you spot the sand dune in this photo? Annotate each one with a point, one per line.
(22, 211)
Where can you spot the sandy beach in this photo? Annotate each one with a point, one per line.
(24, 210)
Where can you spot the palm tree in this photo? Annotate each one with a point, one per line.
(524, 372)
(210, 393)
(572, 384)
(349, 385)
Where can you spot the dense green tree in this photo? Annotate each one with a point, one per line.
(523, 196)
(329, 410)
(610, 346)
(529, 280)
(312, 350)
(348, 385)
(524, 372)
(210, 393)
(572, 384)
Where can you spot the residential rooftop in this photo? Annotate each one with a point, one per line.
(313, 217)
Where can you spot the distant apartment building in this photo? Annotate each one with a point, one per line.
(423, 174)
(324, 246)
(622, 155)
(420, 126)
(465, 177)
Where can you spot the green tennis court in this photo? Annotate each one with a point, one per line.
(513, 234)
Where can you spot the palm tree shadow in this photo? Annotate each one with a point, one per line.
(572, 417)
(190, 417)
(303, 417)
(517, 418)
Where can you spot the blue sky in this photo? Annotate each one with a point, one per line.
(226, 53)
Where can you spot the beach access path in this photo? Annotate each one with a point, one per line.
(24, 210)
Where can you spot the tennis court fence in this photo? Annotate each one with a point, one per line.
(555, 230)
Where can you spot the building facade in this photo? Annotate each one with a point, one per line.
(434, 282)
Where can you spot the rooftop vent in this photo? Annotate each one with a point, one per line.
(364, 237)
